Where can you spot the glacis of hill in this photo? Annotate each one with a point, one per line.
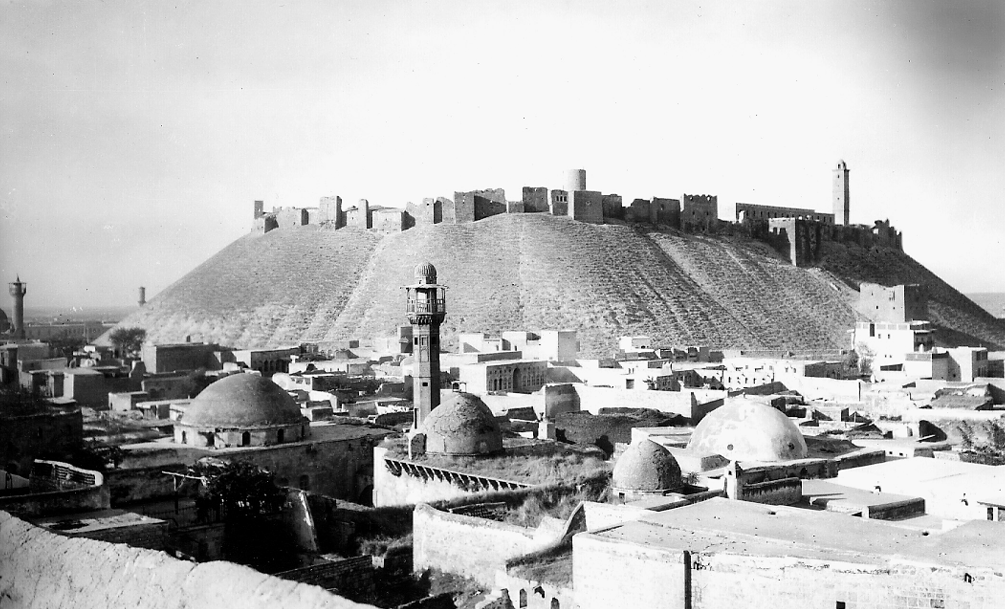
(538, 272)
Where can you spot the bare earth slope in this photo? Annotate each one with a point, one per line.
(536, 271)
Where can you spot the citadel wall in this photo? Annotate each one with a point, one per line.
(798, 237)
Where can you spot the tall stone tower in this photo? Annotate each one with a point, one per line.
(842, 197)
(17, 291)
(143, 296)
(426, 305)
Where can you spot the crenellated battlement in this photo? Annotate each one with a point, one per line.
(796, 232)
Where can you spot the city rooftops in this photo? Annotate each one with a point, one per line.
(740, 527)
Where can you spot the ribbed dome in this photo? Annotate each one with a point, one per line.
(242, 401)
(748, 430)
(646, 467)
(425, 273)
(463, 425)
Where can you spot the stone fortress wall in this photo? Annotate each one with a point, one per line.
(797, 233)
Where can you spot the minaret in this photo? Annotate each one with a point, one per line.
(143, 296)
(426, 305)
(842, 196)
(17, 291)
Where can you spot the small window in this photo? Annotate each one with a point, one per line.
(991, 513)
(246, 439)
(839, 605)
(281, 436)
(523, 598)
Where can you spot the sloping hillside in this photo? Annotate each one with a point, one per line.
(535, 271)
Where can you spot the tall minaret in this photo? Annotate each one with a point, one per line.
(426, 305)
(143, 296)
(17, 291)
(842, 197)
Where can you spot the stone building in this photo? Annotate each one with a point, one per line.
(241, 410)
(462, 426)
(644, 469)
(748, 430)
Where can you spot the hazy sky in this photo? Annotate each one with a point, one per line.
(135, 135)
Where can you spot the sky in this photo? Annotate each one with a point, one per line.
(135, 136)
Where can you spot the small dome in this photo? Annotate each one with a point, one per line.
(242, 401)
(463, 425)
(749, 430)
(646, 467)
(425, 273)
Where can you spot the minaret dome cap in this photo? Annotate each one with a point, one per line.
(425, 273)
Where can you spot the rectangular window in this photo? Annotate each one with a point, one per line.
(991, 513)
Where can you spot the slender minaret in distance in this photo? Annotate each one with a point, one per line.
(143, 296)
(17, 291)
(842, 196)
(426, 305)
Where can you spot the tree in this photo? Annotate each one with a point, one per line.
(65, 344)
(128, 340)
(244, 489)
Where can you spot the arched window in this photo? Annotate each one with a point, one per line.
(184, 437)
(246, 438)
(305, 482)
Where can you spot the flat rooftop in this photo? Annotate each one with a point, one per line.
(847, 500)
(741, 527)
(90, 522)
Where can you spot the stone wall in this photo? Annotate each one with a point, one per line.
(358, 216)
(586, 206)
(387, 220)
(330, 210)
(42, 569)
(291, 217)
(465, 545)
(800, 240)
(535, 199)
(699, 213)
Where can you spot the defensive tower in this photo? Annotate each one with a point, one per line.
(575, 179)
(143, 296)
(426, 305)
(17, 291)
(842, 197)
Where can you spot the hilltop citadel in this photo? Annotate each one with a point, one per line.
(796, 232)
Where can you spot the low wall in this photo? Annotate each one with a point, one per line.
(473, 547)
(42, 569)
(813, 388)
(897, 510)
(353, 576)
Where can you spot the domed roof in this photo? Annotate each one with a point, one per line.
(463, 425)
(750, 430)
(647, 467)
(242, 401)
(425, 273)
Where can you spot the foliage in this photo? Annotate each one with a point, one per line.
(242, 488)
(128, 340)
(379, 545)
(865, 356)
(64, 344)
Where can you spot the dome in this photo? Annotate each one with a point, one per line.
(748, 430)
(463, 425)
(425, 273)
(242, 401)
(646, 467)
(4, 321)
